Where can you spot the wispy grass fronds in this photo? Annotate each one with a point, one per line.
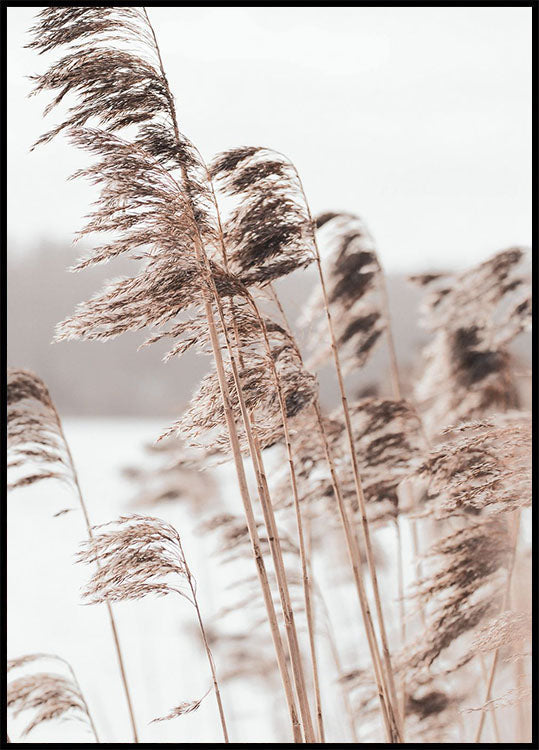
(268, 231)
(431, 712)
(463, 587)
(187, 237)
(245, 654)
(511, 697)
(353, 278)
(389, 444)
(141, 555)
(187, 707)
(474, 315)
(136, 554)
(233, 536)
(47, 696)
(508, 630)
(245, 596)
(111, 82)
(389, 441)
(150, 215)
(485, 468)
(35, 441)
(204, 421)
(173, 474)
(232, 543)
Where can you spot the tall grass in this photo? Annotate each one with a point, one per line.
(451, 457)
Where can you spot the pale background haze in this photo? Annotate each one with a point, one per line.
(417, 118)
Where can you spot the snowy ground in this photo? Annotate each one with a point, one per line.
(45, 613)
(165, 663)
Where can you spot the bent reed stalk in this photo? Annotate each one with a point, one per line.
(206, 646)
(354, 556)
(249, 256)
(293, 480)
(38, 427)
(264, 494)
(505, 602)
(388, 671)
(108, 606)
(393, 705)
(289, 622)
(139, 555)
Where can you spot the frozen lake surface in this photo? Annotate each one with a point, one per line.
(165, 664)
(164, 659)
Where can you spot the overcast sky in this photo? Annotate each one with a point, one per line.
(419, 119)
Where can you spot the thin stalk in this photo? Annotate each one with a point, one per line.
(492, 713)
(274, 541)
(107, 604)
(355, 562)
(299, 521)
(269, 516)
(505, 600)
(74, 676)
(265, 499)
(280, 572)
(418, 566)
(338, 666)
(355, 469)
(397, 395)
(233, 437)
(522, 717)
(251, 523)
(311, 617)
(359, 493)
(206, 646)
(295, 655)
(393, 363)
(522, 713)
(402, 615)
(357, 569)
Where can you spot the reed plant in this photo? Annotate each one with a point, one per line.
(447, 459)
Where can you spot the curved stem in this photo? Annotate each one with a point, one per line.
(112, 620)
(393, 364)
(209, 655)
(299, 521)
(248, 509)
(357, 479)
(361, 502)
(264, 496)
(493, 718)
(355, 562)
(316, 681)
(74, 676)
(402, 615)
(338, 666)
(505, 600)
(397, 395)
(356, 565)
(265, 500)
(231, 427)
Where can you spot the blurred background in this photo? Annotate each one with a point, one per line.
(418, 119)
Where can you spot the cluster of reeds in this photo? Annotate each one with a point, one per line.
(448, 464)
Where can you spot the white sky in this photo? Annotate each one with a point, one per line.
(419, 119)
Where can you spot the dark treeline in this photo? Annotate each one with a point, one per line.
(95, 378)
